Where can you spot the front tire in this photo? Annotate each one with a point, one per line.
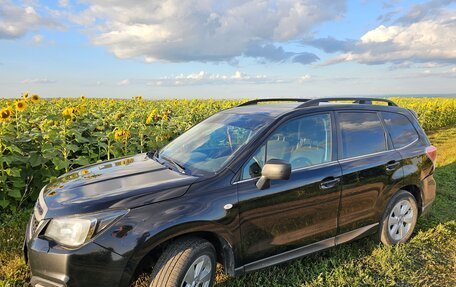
(399, 219)
(187, 262)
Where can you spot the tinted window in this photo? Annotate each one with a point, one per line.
(302, 142)
(400, 129)
(362, 133)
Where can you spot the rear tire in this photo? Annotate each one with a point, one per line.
(399, 219)
(185, 262)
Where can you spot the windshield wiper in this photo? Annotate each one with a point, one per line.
(177, 165)
(153, 154)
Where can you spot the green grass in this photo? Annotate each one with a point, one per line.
(13, 271)
(429, 259)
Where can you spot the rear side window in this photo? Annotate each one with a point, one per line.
(362, 133)
(400, 129)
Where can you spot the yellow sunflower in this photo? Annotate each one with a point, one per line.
(120, 135)
(153, 116)
(83, 97)
(118, 116)
(21, 106)
(5, 114)
(149, 119)
(35, 98)
(69, 113)
(25, 95)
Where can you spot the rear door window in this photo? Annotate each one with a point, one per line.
(400, 129)
(362, 133)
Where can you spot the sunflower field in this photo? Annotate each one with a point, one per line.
(41, 139)
(433, 113)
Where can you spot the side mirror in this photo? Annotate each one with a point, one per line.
(273, 169)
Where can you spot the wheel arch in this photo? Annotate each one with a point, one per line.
(417, 194)
(147, 254)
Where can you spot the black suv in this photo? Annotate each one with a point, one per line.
(249, 187)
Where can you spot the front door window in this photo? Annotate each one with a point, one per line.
(302, 142)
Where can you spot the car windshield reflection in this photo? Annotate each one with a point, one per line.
(208, 146)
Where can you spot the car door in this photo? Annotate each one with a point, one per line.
(299, 211)
(370, 169)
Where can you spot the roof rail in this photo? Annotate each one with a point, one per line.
(254, 102)
(365, 101)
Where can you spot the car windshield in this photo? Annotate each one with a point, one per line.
(208, 146)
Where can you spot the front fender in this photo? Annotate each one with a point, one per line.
(198, 211)
(219, 235)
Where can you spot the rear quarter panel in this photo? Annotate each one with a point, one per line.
(418, 168)
(418, 171)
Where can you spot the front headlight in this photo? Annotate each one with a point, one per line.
(74, 231)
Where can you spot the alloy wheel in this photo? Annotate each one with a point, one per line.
(199, 274)
(400, 220)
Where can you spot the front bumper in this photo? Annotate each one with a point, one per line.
(90, 265)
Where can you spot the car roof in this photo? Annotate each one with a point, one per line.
(275, 110)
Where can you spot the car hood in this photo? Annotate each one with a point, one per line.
(122, 183)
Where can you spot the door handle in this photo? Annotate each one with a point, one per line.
(390, 166)
(328, 183)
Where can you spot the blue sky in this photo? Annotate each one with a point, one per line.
(227, 48)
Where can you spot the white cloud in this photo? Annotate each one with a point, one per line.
(304, 78)
(205, 78)
(428, 9)
(206, 30)
(38, 81)
(440, 73)
(381, 34)
(18, 19)
(64, 3)
(424, 36)
(37, 39)
(426, 41)
(124, 82)
(431, 65)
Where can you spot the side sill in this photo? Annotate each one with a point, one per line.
(305, 250)
(289, 255)
(38, 281)
(355, 234)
